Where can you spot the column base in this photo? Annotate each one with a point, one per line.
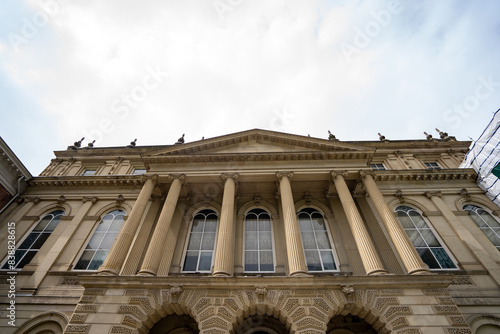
(107, 272)
(376, 272)
(146, 273)
(300, 274)
(420, 271)
(221, 274)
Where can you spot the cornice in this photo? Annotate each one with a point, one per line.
(87, 181)
(424, 174)
(267, 156)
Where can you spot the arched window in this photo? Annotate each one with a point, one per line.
(34, 241)
(100, 243)
(427, 245)
(201, 245)
(259, 254)
(316, 241)
(486, 223)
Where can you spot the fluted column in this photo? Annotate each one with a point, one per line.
(224, 253)
(120, 247)
(369, 256)
(411, 260)
(294, 247)
(154, 253)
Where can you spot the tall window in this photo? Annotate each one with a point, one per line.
(317, 246)
(432, 165)
(427, 245)
(34, 241)
(200, 249)
(100, 243)
(258, 241)
(485, 222)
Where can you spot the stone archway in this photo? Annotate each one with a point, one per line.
(259, 324)
(175, 324)
(349, 324)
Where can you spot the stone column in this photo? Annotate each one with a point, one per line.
(369, 256)
(295, 250)
(411, 260)
(154, 253)
(224, 253)
(116, 256)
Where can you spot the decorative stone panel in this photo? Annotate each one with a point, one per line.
(78, 318)
(69, 281)
(87, 299)
(134, 292)
(399, 310)
(215, 322)
(410, 331)
(76, 329)
(462, 280)
(86, 308)
(120, 330)
(436, 292)
(95, 292)
(445, 309)
(456, 320)
(134, 310)
(459, 331)
(129, 321)
(143, 301)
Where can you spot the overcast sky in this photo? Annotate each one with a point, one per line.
(117, 70)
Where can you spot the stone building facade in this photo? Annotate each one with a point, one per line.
(253, 232)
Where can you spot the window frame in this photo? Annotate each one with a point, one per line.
(85, 170)
(139, 169)
(435, 234)
(432, 165)
(19, 242)
(490, 228)
(330, 239)
(377, 165)
(273, 244)
(89, 238)
(188, 238)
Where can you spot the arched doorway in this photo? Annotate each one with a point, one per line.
(258, 324)
(349, 324)
(175, 324)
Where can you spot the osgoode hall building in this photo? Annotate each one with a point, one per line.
(253, 232)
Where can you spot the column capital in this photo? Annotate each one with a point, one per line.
(364, 173)
(280, 175)
(429, 195)
(335, 173)
(92, 199)
(233, 176)
(181, 177)
(153, 177)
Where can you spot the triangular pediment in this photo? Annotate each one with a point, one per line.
(256, 142)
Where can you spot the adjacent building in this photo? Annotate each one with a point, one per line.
(253, 232)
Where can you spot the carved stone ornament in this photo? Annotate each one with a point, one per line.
(257, 198)
(207, 199)
(175, 292)
(307, 197)
(233, 176)
(261, 293)
(61, 200)
(429, 195)
(465, 194)
(399, 195)
(119, 200)
(92, 199)
(347, 290)
(334, 174)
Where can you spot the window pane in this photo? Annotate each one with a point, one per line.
(488, 218)
(84, 260)
(95, 241)
(443, 258)
(317, 221)
(97, 260)
(415, 238)
(205, 261)
(322, 238)
(197, 226)
(266, 261)
(251, 240)
(428, 258)
(43, 223)
(191, 261)
(313, 262)
(328, 262)
(251, 225)
(265, 225)
(53, 224)
(105, 223)
(308, 240)
(251, 261)
(265, 242)
(417, 219)
(476, 219)
(26, 259)
(211, 225)
(305, 223)
(490, 233)
(108, 240)
(194, 241)
(405, 220)
(30, 239)
(40, 241)
(208, 241)
(430, 238)
(116, 224)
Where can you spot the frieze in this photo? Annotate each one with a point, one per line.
(79, 181)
